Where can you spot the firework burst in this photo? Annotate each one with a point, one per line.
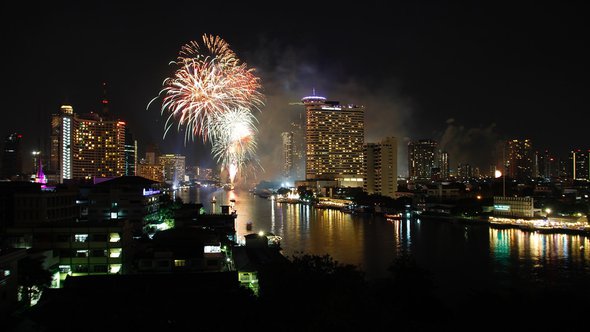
(212, 95)
(234, 140)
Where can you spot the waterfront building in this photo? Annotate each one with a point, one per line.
(422, 158)
(516, 207)
(380, 164)
(334, 138)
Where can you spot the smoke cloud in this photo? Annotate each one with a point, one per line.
(289, 74)
(476, 146)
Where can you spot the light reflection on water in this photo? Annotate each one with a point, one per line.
(456, 253)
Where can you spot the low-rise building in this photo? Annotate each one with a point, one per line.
(516, 207)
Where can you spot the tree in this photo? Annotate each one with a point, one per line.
(32, 278)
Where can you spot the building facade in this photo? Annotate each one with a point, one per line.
(174, 168)
(580, 165)
(287, 139)
(380, 164)
(422, 159)
(444, 165)
(334, 138)
(130, 154)
(86, 146)
(517, 207)
(519, 158)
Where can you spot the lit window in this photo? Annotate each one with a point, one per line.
(80, 237)
(114, 237)
(179, 262)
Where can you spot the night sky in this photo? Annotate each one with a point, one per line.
(465, 74)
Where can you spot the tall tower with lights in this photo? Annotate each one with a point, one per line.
(63, 125)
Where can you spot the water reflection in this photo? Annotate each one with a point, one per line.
(459, 253)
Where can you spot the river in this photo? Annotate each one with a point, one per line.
(458, 255)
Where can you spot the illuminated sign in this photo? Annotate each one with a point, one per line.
(211, 249)
(150, 192)
(501, 207)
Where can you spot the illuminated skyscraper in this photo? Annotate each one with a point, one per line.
(12, 159)
(380, 165)
(580, 167)
(422, 158)
(334, 137)
(99, 147)
(63, 125)
(288, 154)
(519, 158)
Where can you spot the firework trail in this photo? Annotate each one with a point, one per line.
(212, 95)
(234, 140)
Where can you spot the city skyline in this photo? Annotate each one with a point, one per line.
(465, 76)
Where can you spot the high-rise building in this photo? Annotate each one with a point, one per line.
(288, 154)
(88, 145)
(519, 158)
(99, 147)
(380, 164)
(12, 158)
(422, 158)
(464, 171)
(63, 125)
(334, 137)
(580, 167)
(443, 164)
(174, 168)
(130, 153)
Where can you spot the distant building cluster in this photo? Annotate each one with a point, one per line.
(91, 146)
(333, 150)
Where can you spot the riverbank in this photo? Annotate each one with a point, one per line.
(505, 223)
